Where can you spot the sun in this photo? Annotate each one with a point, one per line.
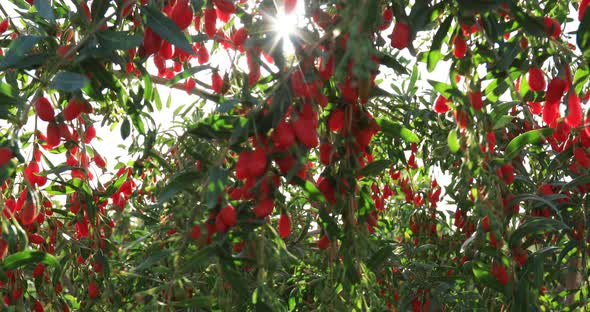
(285, 25)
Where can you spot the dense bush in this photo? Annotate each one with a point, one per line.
(398, 155)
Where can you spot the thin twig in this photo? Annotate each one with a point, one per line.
(9, 20)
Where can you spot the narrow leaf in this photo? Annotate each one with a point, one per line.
(166, 28)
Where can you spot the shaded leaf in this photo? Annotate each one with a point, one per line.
(166, 28)
(69, 82)
(531, 137)
(435, 54)
(23, 258)
(375, 168)
(453, 141)
(535, 226)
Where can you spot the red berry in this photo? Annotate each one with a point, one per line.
(38, 271)
(258, 162)
(581, 157)
(225, 6)
(38, 306)
(459, 46)
(499, 272)
(306, 132)
(228, 215)
(189, 85)
(581, 9)
(326, 68)
(93, 290)
(574, 117)
(400, 37)
(475, 98)
(44, 109)
(486, 223)
(284, 226)
(387, 18)
(555, 91)
(552, 27)
(203, 55)
(216, 82)
(336, 120)
(536, 79)
(89, 134)
(508, 173)
(441, 104)
(36, 239)
(196, 232)
(151, 41)
(166, 51)
(53, 134)
(3, 26)
(242, 165)
(326, 153)
(182, 14)
(5, 155)
(72, 110)
(283, 135)
(99, 161)
(324, 242)
(239, 37)
(491, 136)
(210, 21)
(264, 208)
(29, 213)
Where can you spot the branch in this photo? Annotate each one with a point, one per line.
(180, 86)
(9, 20)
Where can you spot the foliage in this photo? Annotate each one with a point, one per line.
(313, 184)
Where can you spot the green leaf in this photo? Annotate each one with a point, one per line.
(217, 127)
(435, 54)
(59, 169)
(227, 105)
(310, 189)
(375, 168)
(125, 129)
(394, 130)
(153, 259)
(531, 25)
(581, 180)
(380, 256)
(18, 49)
(453, 141)
(7, 95)
(194, 302)
(535, 226)
(530, 137)
(98, 9)
(502, 122)
(547, 200)
(166, 28)
(114, 187)
(179, 182)
(23, 258)
(69, 82)
(118, 40)
(446, 90)
(216, 185)
(583, 36)
(581, 78)
(392, 63)
(44, 9)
